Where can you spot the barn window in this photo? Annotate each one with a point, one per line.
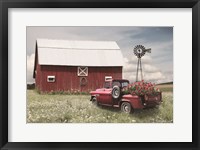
(108, 78)
(82, 71)
(51, 78)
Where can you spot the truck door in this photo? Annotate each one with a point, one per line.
(105, 97)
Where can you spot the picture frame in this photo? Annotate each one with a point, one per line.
(4, 87)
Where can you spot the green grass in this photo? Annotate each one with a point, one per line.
(60, 108)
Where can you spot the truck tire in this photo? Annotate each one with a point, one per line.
(116, 92)
(126, 107)
(94, 101)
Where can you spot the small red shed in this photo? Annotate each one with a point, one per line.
(62, 65)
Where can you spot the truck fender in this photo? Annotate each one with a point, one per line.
(94, 95)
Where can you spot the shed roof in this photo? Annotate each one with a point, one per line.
(79, 53)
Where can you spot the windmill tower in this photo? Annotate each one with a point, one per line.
(140, 51)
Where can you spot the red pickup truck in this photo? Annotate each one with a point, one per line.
(112, 95)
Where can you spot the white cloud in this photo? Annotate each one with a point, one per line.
(154, 76)
(130, 76)
(149, 68)
(150, 72)
(30, 67)
(146, 59)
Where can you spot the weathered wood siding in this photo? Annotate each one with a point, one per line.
(68, 80)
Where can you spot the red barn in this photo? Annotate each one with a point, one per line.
(62, 65)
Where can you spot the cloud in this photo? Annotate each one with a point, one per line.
(150, 72)
(30, 67)
(149, 68)
(154, 76)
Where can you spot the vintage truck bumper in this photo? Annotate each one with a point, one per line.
(152, 104)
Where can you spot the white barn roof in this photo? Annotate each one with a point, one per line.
(79, 53)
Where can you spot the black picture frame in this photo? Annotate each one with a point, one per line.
(6, 4)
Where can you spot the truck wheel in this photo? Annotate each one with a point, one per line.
(126, 107)
(94, 101)
(116, 92)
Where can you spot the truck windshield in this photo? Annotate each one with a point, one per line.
(118, 83)
(107, 85)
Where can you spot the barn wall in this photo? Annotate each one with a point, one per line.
(67, 79)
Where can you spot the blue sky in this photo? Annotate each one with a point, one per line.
(157, 65)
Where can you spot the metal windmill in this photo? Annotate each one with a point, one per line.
(140, 51)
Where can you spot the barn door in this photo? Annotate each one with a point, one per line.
(83, 73)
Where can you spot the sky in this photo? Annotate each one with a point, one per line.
(157, 66)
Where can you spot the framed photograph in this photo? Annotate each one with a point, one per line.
(114, 74)
(119, 77)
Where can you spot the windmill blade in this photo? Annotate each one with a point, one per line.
(139, 51)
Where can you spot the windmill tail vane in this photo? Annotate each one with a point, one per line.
(148, 50)
(140, 51)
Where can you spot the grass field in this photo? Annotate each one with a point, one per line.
(60, 108)
(165, 87)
